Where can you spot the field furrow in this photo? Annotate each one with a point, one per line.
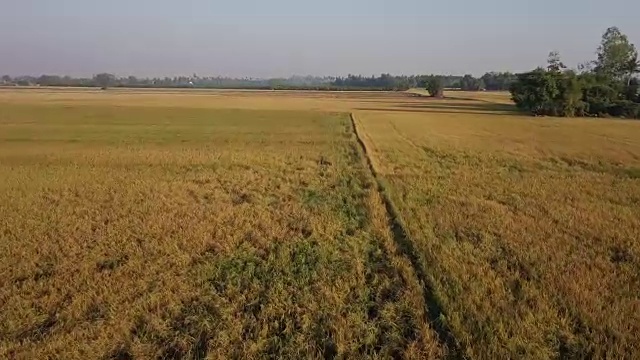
(407, 247)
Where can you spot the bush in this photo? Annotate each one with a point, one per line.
(599, 98)
(632, 91)
(435, 86)
(624, 108)
(569, 101)
(537, 92)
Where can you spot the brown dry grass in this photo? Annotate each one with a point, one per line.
(144, 232)
(528, 228)
(168, 223)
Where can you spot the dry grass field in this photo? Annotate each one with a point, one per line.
(527, 228)
(251, 224)
(135, 232)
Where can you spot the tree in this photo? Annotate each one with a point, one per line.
(49, 80)
(554, 63)
(469, 83)
(104, 80)
(607, 88)
(554, 93)
(633, 67)
(500, 81)
(6, 78)
(132, 80)
(435, 86)
(617, 57)
(536, 91)
(631, 91)
(549, 92)
(569, 102)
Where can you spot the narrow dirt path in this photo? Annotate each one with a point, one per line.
(434, 309)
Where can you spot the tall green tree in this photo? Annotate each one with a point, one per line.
(554, 63)
(617, 57)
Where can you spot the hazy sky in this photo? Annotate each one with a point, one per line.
(264, 38)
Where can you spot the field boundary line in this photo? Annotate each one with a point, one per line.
(405, 244)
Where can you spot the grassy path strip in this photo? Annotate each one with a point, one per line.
(434, 309)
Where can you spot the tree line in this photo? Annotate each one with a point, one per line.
(494, 81)
(606, 86)
(386, 82)
(194, 81)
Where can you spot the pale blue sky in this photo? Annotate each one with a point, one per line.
(286, 37)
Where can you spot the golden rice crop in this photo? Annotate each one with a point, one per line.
(246, 224)
(527, 228)
(144, 232)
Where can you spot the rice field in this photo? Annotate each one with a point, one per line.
(527, 228)
(255, 224)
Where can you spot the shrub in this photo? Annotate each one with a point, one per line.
(435, 86)
(624, 108)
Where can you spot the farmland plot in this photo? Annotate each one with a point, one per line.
(526, 228)
(144, 232)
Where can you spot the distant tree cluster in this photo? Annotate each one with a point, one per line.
(498, 81)
(492, 81)
(607, 86)
(469, 83)
(385, 82)
(46, 80)
(105, 80)
(391, 82)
